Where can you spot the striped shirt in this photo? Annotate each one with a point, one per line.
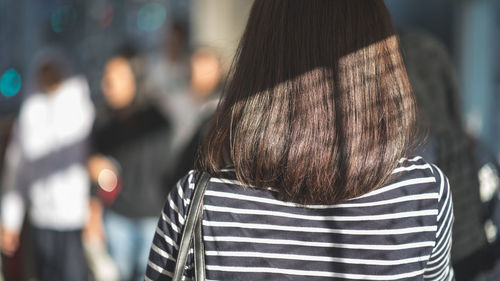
(401, 231)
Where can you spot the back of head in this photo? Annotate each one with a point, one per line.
(176, 41)
(318, 104)
(49, 75)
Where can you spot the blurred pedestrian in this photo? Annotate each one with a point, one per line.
(471, 171)
(130, 142)
(47, 157)
(169, 80)
(205, 89)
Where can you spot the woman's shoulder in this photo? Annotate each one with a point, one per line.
(224, 186)
(416, 167)
(415, 175)
(224, 178)
(413, 180)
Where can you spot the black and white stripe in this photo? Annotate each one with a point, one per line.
(401, 231)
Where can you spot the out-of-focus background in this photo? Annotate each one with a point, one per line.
(90, 31)
(108, 99)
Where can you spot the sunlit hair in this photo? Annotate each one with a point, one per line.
(318, 105)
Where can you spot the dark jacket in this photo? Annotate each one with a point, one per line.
(137, 141)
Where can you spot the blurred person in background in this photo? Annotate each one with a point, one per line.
(12, 264)
(205, 89)
(169, 75)
(130, 142)
(46, 166)
(170, 67)
(472, 171)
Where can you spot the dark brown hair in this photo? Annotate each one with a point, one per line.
(318, 105)
(49, 74)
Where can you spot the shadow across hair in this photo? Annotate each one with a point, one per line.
(318, 104)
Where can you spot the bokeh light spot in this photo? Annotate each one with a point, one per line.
(107, 180)
(10, 83)
(63, 18)
(151, 16)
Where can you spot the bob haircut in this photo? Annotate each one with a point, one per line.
(318, 104)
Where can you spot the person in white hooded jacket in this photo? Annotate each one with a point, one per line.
(45, 166)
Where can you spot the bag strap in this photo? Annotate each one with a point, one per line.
(199, 251)
(193, 220)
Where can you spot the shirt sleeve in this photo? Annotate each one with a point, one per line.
(12, 211)
(439, 265)
(164, 250)
(13, 198)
